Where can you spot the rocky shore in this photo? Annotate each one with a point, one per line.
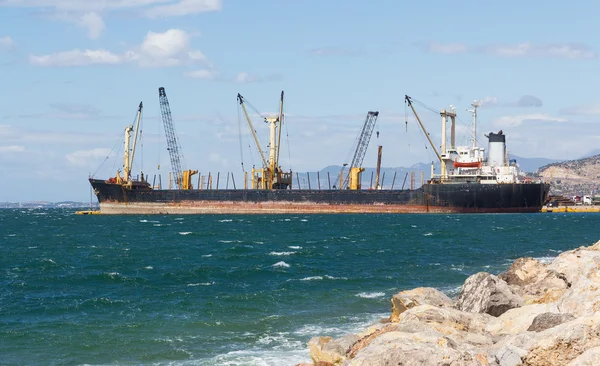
(532, 314)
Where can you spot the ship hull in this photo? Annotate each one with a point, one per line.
(431, 198)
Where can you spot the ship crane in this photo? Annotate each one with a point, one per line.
(130, 150)
(270, 176)
(446, 155)
(356, 169)
(183, 178)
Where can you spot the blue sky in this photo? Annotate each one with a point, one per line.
(73, 73)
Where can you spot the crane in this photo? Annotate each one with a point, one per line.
(182, 178)
(356, 169)
(270, 175)
(130, 151)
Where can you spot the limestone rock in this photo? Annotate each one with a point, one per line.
(587, 358)
(486, 293)
(548, 320)
(517, 320)
(531, 279)
(564, 343)
(490, 323)
(405, 300)
(398, 348)
(328, 350)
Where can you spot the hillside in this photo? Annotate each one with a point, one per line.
(573, 177)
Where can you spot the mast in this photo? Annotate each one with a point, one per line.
(475, 105)
(126, 158)
(280, 128)
(272, 141)
(135, 137)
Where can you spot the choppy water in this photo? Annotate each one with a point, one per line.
(236, 290)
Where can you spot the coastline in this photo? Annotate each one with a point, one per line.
(533, 314)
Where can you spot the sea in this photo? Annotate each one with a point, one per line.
(233, 289)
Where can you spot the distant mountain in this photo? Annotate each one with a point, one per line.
(591, 153)
(573, 177)
(389, 177)
(532, 164)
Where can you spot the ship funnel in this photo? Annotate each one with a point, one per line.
(496, 148)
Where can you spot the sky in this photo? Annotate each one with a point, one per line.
(74, 72)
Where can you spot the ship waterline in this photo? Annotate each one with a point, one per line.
(431, 198)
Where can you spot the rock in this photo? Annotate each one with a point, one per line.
(328, 350)
(517, 320)
(564, 343)
(531, 279)
(587, 358)
(398, 348)
(405, 300)
(366, 340)
(548, 320)
(490, 322)
(486, 293)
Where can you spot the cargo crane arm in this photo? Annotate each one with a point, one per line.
(409, 101)
(362, 144)
(129, 159)
(242, 102)
(172, 142)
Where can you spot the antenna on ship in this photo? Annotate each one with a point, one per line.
(475, 105)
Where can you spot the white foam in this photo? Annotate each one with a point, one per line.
(206, 255)
(428, 234)
(313, 278)
(335, 278)
(201, 284)
(370, 295)
(282, 253)
(148, 267)
(295, 247)
(225, 220)
(185, 233)
(281, 264)
(545, 260)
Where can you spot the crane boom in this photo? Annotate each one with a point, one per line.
(409, 101)
(363, 143)
(262, 155)
(172, 142)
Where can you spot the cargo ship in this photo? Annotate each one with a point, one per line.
(468, 180)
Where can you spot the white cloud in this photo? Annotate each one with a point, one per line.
(6, 43)
(88, 14)
(184, 7)
(93, 23)
(170, 48)
(489, 101)
(77, 58)
(204, 74)
(525, 49)
(12, 149)
(512, 121)
(246, 78)
(85, 157)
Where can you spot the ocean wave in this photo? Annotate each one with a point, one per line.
(281, 253)
(281, 264)
(370, 295)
